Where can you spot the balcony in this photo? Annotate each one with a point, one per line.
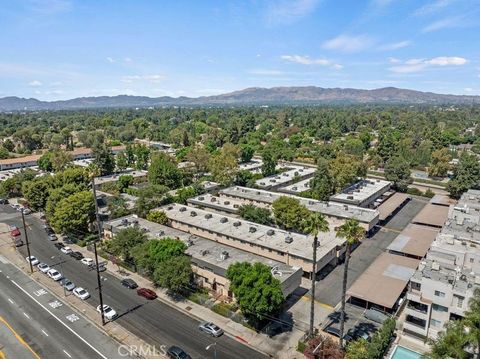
(415, 321)
(417, 307)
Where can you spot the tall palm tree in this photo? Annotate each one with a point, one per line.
(314, 224)
(353, 233)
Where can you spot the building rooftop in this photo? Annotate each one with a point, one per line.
(254, 164)
(333, 209)
(297, 187)
(285, 177)
(432, 215)
(362, 191)
(202, 250)
(384, 280)
(391, 204)
(219, 203)
(116, 176)
(442, 200)
(299, 245)
(414, 240)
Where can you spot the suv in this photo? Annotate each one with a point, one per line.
(175, 352)
(129, 283)
(76, 255)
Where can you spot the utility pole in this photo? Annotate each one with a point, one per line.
(313, 278)
(99, 229)
(214, 345)
(26, 241)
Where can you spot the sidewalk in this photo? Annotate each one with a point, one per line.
(283, 346)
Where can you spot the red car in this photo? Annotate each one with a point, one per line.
(15, 232)
(146, 293)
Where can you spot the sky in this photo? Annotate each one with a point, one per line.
(61, 49)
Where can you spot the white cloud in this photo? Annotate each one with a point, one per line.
(395, 45)
(35, 83)
(416, 65)
(444, 24)
(148, 78)
(110, 59)
(432, 7)
(289, 11)
(265, 72)
(347, 43)
(127, 59)
(394, 60)
(49, 7)
(306, 60)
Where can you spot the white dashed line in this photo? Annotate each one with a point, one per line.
(25, 314)
(67, 353)
(44, 332)
(11, 301)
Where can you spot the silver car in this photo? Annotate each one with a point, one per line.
(210, 328)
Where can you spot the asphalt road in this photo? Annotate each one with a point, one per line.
(39, 323)
(153, 321)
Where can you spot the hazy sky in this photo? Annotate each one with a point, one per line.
(58, 49)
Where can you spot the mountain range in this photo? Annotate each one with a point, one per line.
(308, 95)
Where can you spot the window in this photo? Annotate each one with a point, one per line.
(439, 308)
(415, 285)
(471, 260)
(435, 323)
(439, 294)
(460, 300)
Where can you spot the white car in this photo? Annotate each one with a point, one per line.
(26, 211)
(32, 260)
(66, 250)
(81, 293)
(108, 312)
(87, 261)
(54, 274)
(43, 267)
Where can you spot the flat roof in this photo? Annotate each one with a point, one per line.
(254, 233)
(442, 200)
(284, 177)
(362, 190)
(297, 187)
(414, 240)
(333, 209)
(384, 280)
(203, 250)
(251, 165)
(116, 176)
(432, 215)
(221, 203)
(391, 204)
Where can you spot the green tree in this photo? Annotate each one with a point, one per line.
(125, 181)
(314, 224)
(353, 234)
(36, 192)
(163, 171)
(466, 175)
(123, 243)
(246, 153)
(451, 342)
(8, 145)
(45, 162)
(255, 214)
(103, 158)
(289, 213)
(158, 217)
(121, 161)
(440, 164)
(60, 160)
(4, 153)
(346, 170)
(354, 147)
(269, 164)
(199, 156)
(397, 170)
(322, 185)
(174, 274)
(148, 255)
(223, 168)
(259, 295)
(74, 213)
(183, 194)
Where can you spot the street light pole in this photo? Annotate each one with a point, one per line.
(61, 270)
(99, 229)
(26, 241)
(214, 345)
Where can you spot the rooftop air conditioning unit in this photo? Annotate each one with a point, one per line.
(349, 197)
(160, 234)
(237, 224)
(252, 229)
(345, 207)
(288, 239)
(170, 208)
(224, 255)
(294, 188)
(201, 198)
(183, 209)
(270, 232)
(193, 214)
(204, 252)
(435, 266)
(226, 203)
(189, 242)
(223, 220)
(208, 216)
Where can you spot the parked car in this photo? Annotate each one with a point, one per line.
(26, 211)
(15, 232)
(69, 240)
(108, 312)
(43, 267)
(129, 283)
(59, 245)
(87, 261)
(3, 201)
(333, 331)
(76, 255)
(146, 293)
(175, 352)
(81, 293)
(210, 328)
(17, 241)
(66, 250)
(68, 284)
(33, 260)
(52, 237)
(54, 274)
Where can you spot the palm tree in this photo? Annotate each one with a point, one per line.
(353, 234)
(314, 224)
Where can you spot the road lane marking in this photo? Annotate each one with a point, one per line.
(324, 305)
(67, 353)
(59, 320)
(19, 338)
(44, 332)
(25, 314)
(11, 301)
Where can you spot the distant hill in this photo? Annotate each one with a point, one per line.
(308, 95)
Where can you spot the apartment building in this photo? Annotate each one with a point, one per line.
(368, 218)
(364, 193)
(293, 174)
(445, 281)
(290, 248)
(210, 260)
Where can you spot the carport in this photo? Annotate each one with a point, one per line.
(393, 204)
(414, 241)
(432, 215)
(384, 281)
